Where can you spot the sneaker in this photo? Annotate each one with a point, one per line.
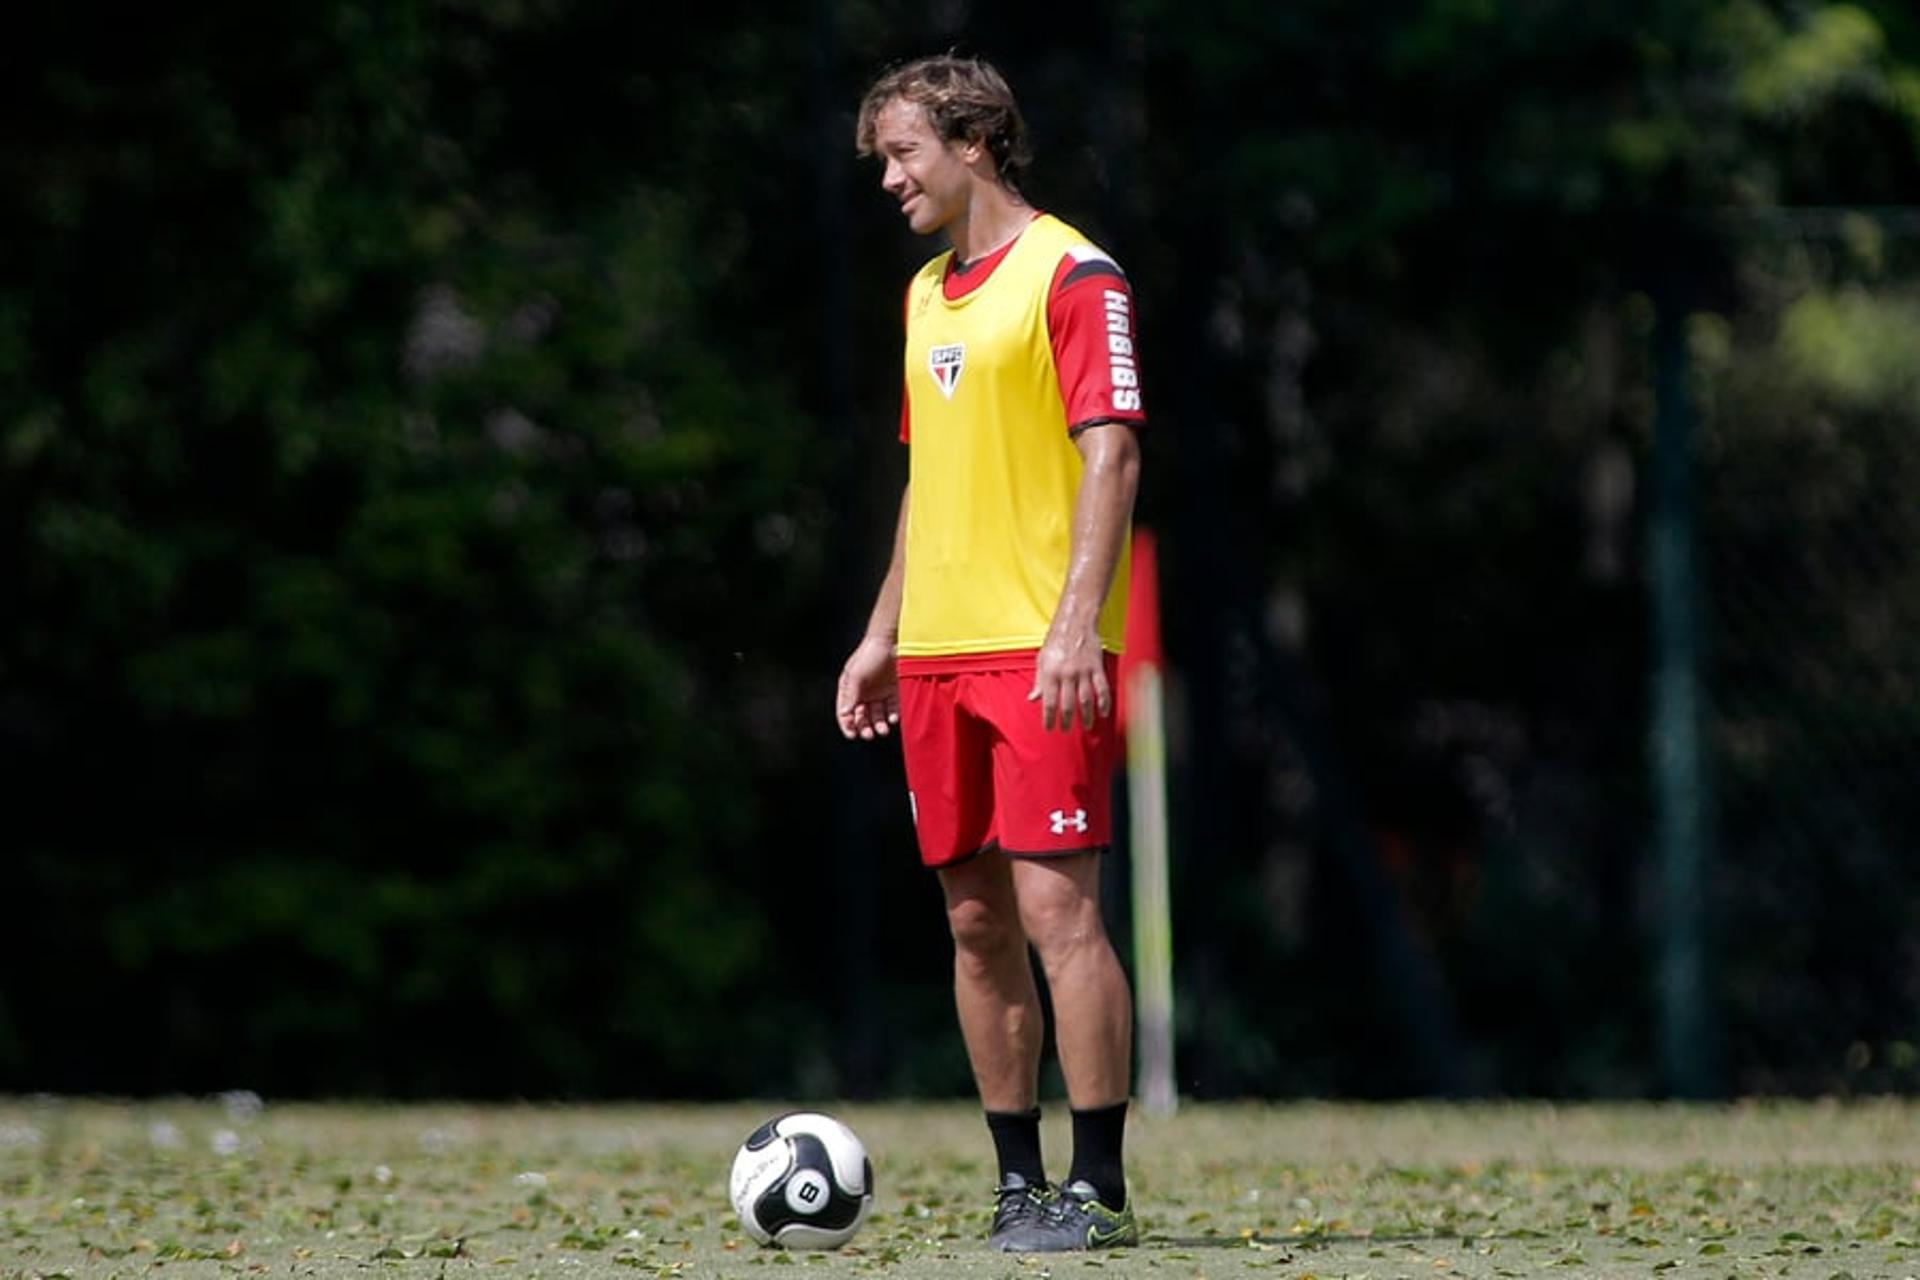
(1073, 1219)
(1019, 1208)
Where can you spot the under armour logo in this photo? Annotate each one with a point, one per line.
(1061, 820)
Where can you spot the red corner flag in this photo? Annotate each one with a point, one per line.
(1143, 617)
(1142, 715)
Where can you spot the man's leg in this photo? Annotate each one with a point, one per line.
(1052, 816)
(1000, 1020)
(1059, 903)
(993, 987)
(1093, 1029)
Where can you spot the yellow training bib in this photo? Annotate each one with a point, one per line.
(992, 472)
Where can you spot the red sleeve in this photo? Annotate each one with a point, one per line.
(1090, 320)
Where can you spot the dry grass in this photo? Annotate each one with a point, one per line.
(229, 1188)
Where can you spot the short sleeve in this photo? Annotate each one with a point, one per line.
(1090, 321)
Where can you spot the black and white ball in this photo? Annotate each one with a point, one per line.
(802, 1181)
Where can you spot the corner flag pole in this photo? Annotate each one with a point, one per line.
(1143, 720)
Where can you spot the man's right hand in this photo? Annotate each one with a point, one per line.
(867, 704)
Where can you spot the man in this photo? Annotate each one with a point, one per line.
(992, 644)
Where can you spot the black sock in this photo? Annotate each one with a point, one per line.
(1016, 1143)
(1097, 1135)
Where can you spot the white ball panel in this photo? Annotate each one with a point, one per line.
(844, 1148)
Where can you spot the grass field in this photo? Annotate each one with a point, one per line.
(231, 1188)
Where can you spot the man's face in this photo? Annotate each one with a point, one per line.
(930, 178)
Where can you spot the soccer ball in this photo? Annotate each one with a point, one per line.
(802, 1181)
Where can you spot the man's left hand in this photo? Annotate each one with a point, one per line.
(1070, 679)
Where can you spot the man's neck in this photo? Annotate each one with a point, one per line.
(994, 216)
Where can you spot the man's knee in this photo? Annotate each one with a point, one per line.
(1061, 921)
(984, 929)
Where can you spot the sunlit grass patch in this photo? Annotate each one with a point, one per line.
(234, 1186)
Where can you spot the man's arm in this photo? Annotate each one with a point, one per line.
(1070, 674)
(867, 702)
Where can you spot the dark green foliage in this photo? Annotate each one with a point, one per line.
(389, 506)
(1413, 255)
(445, 448)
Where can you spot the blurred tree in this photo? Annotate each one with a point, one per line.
(395, 504)
(1411, 249)
(439, 442)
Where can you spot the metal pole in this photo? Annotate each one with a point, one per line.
(1688, 1043)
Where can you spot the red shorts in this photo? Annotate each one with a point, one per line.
(982, 772)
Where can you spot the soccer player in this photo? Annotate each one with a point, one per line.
(992, 645)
